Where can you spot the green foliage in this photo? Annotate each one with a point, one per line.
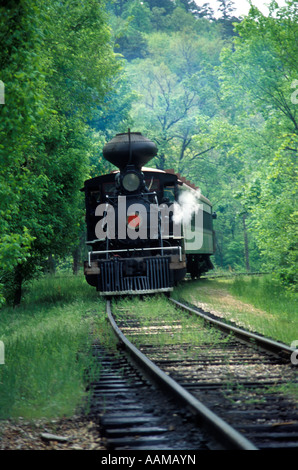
(257, 303)
(24, 81)
(188, 329)
(172, 84)
(223, 114)
(57, 62)
(256, 82)
(179, 105)
(167, 5)
(228, 124)
(265, 293)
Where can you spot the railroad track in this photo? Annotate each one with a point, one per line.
(133, 414)
(230, 382)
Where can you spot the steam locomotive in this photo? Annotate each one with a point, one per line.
(146, 228)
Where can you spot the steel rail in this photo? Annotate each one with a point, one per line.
(225, 434)
(265, 343)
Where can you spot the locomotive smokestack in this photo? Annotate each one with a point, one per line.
(130, 148)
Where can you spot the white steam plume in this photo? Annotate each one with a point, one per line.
(187, 206)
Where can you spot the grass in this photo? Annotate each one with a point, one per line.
(48, 348)
(254, 302)
(48, 344)
(163, 324)
(155, 314)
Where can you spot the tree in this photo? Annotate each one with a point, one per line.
(24, 83)
(173, 86)
(56, 65)
(205, 11)
(129, 28)
(190, 6)
(227, 8)
(227, 19)
(167, 5)
(166, 108)
(257, 75)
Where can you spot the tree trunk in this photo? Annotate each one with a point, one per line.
(18, 282)
(51, 264)
(161, 161)
(76, 260)
(246, 249)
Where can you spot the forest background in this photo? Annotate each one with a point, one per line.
(219, 96)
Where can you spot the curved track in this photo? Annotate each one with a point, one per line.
(233, 388)
(224, 434)
(267, 344)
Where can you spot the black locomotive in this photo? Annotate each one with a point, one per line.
(137, 246)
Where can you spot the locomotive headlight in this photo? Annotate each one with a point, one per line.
(131, 181)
